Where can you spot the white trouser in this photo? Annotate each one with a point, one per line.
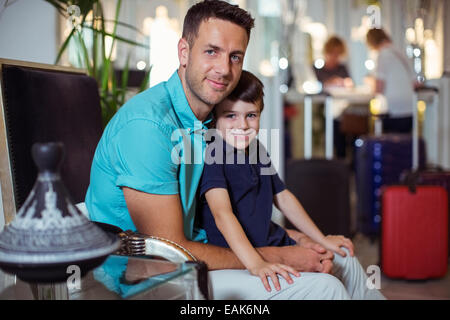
(347, 282)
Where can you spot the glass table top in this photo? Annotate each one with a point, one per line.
(119, 277)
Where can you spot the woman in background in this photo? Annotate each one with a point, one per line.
(334, 72)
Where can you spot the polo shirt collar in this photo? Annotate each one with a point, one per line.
(184, 112)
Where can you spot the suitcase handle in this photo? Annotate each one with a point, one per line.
(415, 125)
(410, 179)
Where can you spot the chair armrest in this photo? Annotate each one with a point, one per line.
(134, 243)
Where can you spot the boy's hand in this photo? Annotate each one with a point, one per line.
(266, 269)
(335, 243)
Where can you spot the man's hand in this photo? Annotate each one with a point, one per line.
(335, 243)
(306, 259)
(307, 243)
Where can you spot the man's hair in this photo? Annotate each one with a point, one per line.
(375, 37)
(249, 89)
(206, 9)
(335, 43)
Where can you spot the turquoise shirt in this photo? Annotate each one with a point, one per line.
(154, 144)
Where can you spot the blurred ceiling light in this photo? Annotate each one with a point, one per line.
(284, 88)
(433, 60)
(319, 63)
(266, 68)
(375, 106)
(141, 65)
(428, 34)
(164, 36)
(369, 64)
(241, 3)
(421, 106)
(378, 105)
(359, 33)
(418, 26)
(318, 32)
(269, 8)
(283, 63)
(147, 26)
(312, 87)
(410, 35)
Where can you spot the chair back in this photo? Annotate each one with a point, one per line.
(43, 103)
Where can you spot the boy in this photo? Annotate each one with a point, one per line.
(237, 197)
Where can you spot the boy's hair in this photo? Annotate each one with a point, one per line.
(206, 9)
(249, 89)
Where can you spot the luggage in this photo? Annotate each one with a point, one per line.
(321, 185)
(379, 160)
(355, 121)
(414, 232)
(414, 229)
(437, 178)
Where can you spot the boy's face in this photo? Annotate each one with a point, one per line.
(237, 122)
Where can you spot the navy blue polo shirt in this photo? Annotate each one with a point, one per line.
(251, 190)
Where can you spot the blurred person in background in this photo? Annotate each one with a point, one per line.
(394, 79)
(334, 72)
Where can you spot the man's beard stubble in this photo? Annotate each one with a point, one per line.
(195, 87)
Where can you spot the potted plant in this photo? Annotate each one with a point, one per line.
(87, 20)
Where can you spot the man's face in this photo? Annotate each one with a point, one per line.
(214, 61)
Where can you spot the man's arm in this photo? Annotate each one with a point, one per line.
(161, 215)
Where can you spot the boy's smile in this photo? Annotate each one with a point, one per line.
(237, 122)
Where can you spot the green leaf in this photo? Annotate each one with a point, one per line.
(67, 41)
(123, 24)
(145, 83)
(87, 60)
(124, 79)
(119, 38)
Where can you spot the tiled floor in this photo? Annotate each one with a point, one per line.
(434, 289)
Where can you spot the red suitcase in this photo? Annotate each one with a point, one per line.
(414, 232)
(414, 224)
(437, 178)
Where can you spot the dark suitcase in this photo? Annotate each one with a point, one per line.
(379, 161)
(321, 185)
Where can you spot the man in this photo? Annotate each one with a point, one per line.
(394, 80)
(136, 182)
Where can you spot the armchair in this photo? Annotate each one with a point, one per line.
(42, 103)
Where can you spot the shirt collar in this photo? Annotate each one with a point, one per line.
(184, 112)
